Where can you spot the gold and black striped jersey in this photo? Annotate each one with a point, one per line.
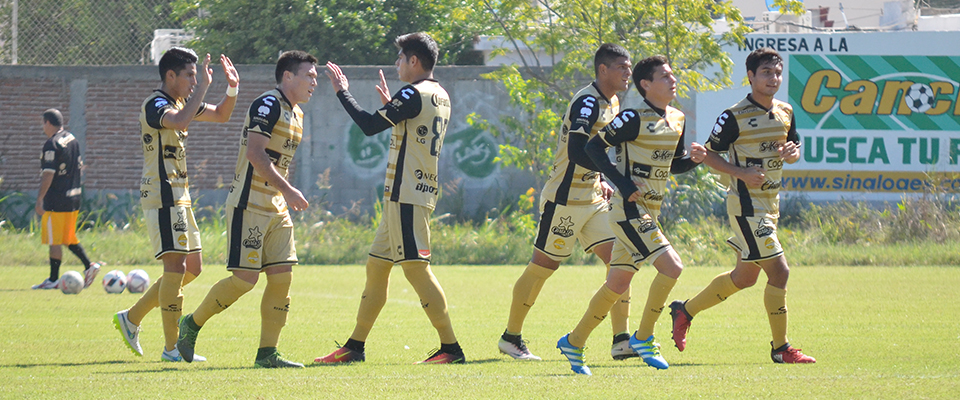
(569, 183)
(419, 113)
(647, 142)
(273, 116)
(164, 181)
(752, 136)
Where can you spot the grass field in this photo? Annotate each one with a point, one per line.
(877, 332)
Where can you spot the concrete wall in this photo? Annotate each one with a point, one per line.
(101, 107)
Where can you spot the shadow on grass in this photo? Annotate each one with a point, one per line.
(67, 364)
(322, 365)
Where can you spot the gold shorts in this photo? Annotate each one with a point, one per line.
(403, 234)
(755, 238)
(257, 241)
(58, 228)
(561, 226)
(639, 240)
(172, 230)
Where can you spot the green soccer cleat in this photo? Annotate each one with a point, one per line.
(187, 341)
(275, 361)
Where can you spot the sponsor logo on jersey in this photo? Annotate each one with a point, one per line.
(422, 130)
(173, 152)
(589, 176)
(722, 119)
(769, 244)
(656, 237)
(63, 169)
(646, 225)
(425, 188)
(180, 225)
(662, 155)
(49, 155)
(144, 194)
(559, 244)
(253, 241)
(754, 162)
(290, 144)
(253, 257)
(774, 163)
(618, 122)
(424, 253)
(436, 100)
(763, 229)
(147, 139)
(589, 103)
(770, 185)
(653, 195)
(563, 229)
(182, 240)
(160, 102)
(406, 93)
(769, 146)
(425, 175)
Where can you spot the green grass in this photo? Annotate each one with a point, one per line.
(877, 332)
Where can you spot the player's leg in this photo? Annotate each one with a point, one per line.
(619, 313)
(49, 237)
(775, 303)
(525, 293)
(434, 303)
(572, 344)
(279, 255)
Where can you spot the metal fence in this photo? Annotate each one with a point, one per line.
(81, 32)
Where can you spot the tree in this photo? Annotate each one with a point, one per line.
(570, 31)
(356, 32)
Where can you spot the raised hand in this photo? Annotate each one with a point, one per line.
(337, 78)
(233, 78)
(383, 90)
(206, 73)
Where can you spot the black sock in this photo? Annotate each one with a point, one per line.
(452, 348)
(82, 255)
(620, 337)
(54, 269)
(354, 345)
(265, 352)
(510, 338)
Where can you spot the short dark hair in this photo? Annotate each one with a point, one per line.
(421, 45)
(607, 54)
(176, 59)
(762, 56)
(290, 61)
(644, 71)
(54, 117)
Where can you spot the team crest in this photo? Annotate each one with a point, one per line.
(646, 225)
(763, 229)
(180, 225)
(253, 241)
(563, 229)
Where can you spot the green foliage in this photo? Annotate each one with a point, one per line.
(693, 196)
(353, 32)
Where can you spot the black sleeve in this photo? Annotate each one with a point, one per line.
(154, 111)
(370, 124)
(404, 105)
(681, 159)
(725, 132)
(576, 152)
(792, 134)
(49, 156)
(624, 127)
(584, 112)
(264, 114)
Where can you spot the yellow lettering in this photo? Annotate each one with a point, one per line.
(861, 101)
(945, 88)
(891, 90)
(812, 90)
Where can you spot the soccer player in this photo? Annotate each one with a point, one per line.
(164, 188)
(759, 134)
(259, 228)
(573, 203)
(649, 145)
(58, 202)
(418, 115)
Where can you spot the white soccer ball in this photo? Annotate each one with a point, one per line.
(70, 283)
(114, 281)
(919, 97)
(138, 281)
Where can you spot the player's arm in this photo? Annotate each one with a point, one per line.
(790, 151)
(725, 132)
(46, 179)
(48, 166)
(180, 119)
(584, 111)
(624, 127)
(684, 161)
(221, 111)
(261, 162)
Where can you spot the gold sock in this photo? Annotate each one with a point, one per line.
(222, 295)
(373, 298)
(151, 299)
(600, 305)
(717, 291)
(775, 301)
(657, 297)
(171, 307)
(525, 293)
(620, 313)
(274, 308)
(432, 299)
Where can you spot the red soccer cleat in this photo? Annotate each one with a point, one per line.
(341, 355)
(444, 358)
(681, 324)
(789, 355)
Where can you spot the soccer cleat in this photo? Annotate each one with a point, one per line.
(187, 341)
(46, 284)
(621, 350)
(175, 356)
(275, 361)
(789, 355)
(649, 351)
(574, 355)
(440, 357)
(681, 323)
(91, 273)
(518, 350)
(341, 355)
(130, 332)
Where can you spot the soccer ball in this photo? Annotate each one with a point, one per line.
(71, 282)
(114, 282)
(138, 281)
(919, 97)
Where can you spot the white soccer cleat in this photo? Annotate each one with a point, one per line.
(46, 284)
(622, 350)
(130, 332)
(517, 350)
(90, 274)
(174, 356)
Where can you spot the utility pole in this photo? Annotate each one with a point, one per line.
(13, 53)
